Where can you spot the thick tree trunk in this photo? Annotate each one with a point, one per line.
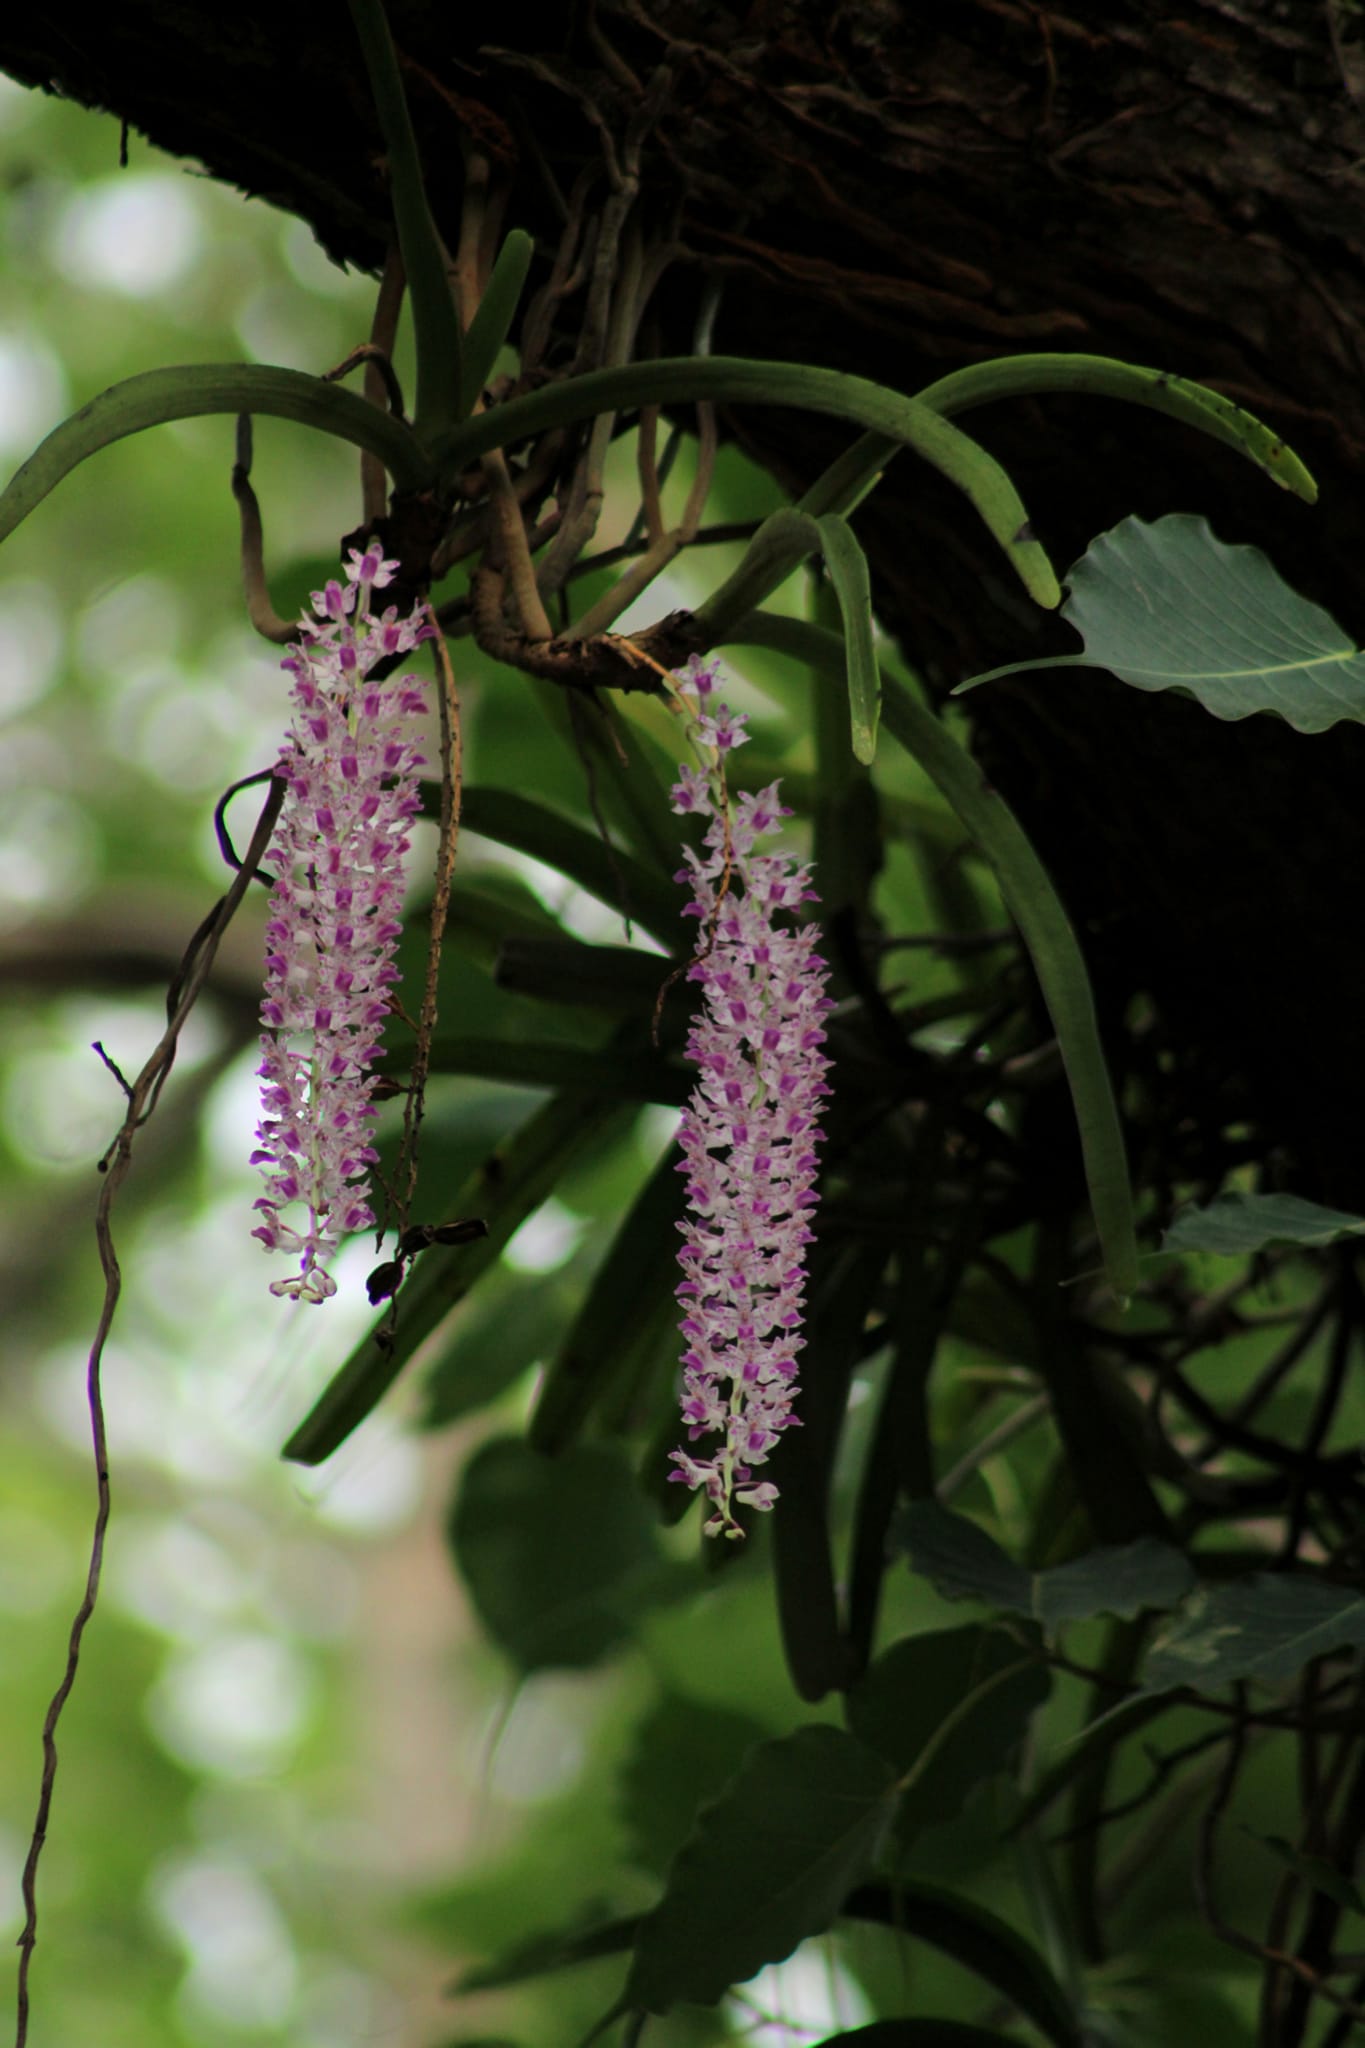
(899, 190)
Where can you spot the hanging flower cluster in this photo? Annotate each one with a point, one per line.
(350, 761)
(750, 1132)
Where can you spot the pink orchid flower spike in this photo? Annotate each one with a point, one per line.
(350, 761)
(750, 1133)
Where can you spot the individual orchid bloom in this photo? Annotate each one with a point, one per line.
(350, 763)
(750, 1132)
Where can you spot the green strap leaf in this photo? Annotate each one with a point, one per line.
(847, 566)
(843, 486)
(540, 1063)
(849, 825)
(1316, 1871)
(786, 538)
(436, 327)
(771, 1862)
(491, 325)
(627, 770)
(484, 918)
(641, 1264)
(1028, 376)
(512, 1182)
(1237, 1225)
(848, 479)
(1083, 1756)
(819, 1652)
(1037, 911)
(858, 469)
(194, 390)
(673, 380)
(547, 835)
(506, 1329)
(619, 978)
(920, 2033)
(982, 1942)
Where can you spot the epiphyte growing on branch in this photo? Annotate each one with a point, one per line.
(350, 762)
(750, 1132)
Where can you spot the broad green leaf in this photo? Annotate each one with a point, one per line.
(1105, 377)
(1168, 606)
(543, 1953)
(669, 380)
(1043, 924)
(1120, 1579)
(982, 1942)
(558, 1554)
(511, 1182)
(920, 2033)
(1236, 1225)
(194, 389)
(614, 877)
(948, 1709)
(961, 1559)
(848, 572)
(770, 1863)
(640, 1266)
(965, 1563)
(1266, 1627)
(682, 1755)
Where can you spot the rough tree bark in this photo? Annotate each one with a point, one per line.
(899, 190)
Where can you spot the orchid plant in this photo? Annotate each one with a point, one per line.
(803, 1074)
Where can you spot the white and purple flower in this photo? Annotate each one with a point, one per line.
(350, 762)
(750, 1132)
